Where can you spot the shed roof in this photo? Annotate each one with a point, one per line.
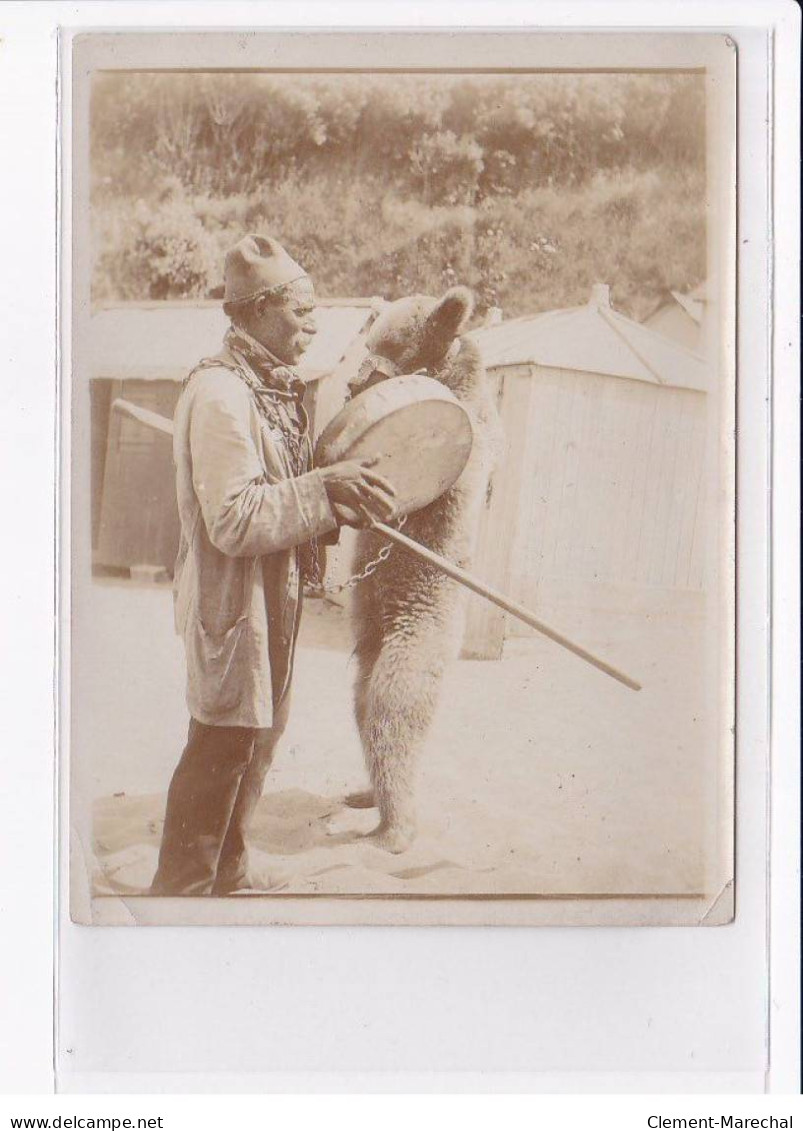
(595, 339)
(164, 340)
(693, 303)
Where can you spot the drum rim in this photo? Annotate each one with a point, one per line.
(465, 422)
(440, 392)
(355, 431)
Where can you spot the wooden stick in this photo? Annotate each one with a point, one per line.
(516, 610)
(144, 416)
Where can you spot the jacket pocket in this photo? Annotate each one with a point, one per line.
(217, 666)
(224, 592)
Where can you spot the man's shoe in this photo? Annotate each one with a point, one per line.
(256, 881)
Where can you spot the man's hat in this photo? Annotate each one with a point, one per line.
(257, 265)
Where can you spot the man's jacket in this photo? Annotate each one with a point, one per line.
(237, 584)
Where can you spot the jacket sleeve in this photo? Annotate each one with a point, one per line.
(245, 516)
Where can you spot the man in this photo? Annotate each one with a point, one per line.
(252, 509)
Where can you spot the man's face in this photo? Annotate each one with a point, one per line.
(286, 324)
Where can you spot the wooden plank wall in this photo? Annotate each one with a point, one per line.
(101, 394)
(485, 623)
(138, 512)
(612, 491)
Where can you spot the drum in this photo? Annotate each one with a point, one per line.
(417, 429)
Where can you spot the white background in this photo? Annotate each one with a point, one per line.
(596, 1010)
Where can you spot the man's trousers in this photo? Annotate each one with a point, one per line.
(212, 797)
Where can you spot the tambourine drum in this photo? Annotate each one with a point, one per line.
(417, 429)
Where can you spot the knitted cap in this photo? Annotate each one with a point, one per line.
(255, 265)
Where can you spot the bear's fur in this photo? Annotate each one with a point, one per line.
(408, 616)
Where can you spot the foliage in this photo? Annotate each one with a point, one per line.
(527, 188)
(446, 168)
(156, 252)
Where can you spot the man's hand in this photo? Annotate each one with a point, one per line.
(354, 489)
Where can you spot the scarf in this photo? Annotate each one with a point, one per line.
(278, 392)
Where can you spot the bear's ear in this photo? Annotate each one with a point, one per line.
(450, 316)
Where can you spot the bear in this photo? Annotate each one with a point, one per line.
(407, 617)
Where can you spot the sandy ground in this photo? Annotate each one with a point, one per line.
(540, 775)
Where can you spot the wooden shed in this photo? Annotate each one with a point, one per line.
(599, 497)
(681, 317)
(141, 352)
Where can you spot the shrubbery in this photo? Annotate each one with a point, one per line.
(154, 251)
(528, 191)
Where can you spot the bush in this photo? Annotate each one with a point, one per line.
(540, 249)
(446, 168)
(155, 252)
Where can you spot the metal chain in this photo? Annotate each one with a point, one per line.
(367, 570)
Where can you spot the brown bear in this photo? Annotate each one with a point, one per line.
(407, 616)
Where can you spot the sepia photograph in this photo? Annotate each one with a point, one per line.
(401, 496)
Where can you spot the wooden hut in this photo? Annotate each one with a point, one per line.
(681, 317)
(599, 496)
(141, 352)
